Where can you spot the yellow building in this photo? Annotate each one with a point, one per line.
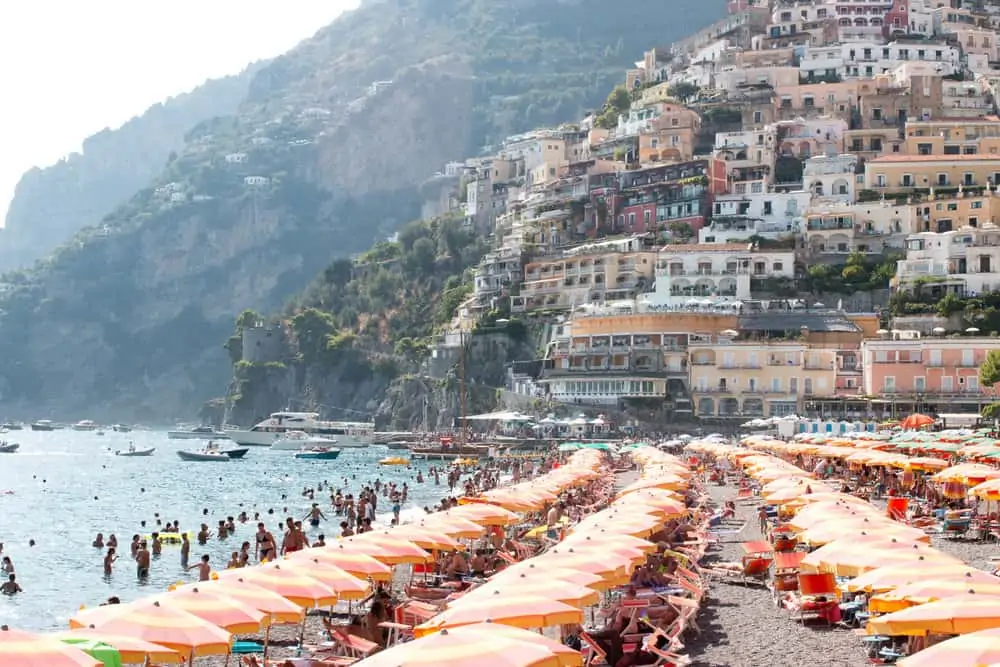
(907, 173)
(758, 378)
(944, 214)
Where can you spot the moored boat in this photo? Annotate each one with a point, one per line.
(279, 424)
(9, 447)
(295, 441)
(197, 433)
(12, 426)
(136, 452)
(85, 425)
(43, 425)
(319, 454)
(236, 452)
(203, 455)
(121, 428)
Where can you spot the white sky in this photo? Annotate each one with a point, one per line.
(70, 68)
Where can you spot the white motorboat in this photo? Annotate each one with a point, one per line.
(295, 441)
(132, 451)
(279, 424)
(211, 452)
(85, 425)
(197, 433)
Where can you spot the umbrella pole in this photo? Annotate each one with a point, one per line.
(267, 640)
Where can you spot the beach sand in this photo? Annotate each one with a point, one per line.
(742, 627)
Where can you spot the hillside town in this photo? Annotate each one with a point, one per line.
(791, 212)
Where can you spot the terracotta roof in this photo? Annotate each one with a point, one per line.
(706, 247)
(934, 158)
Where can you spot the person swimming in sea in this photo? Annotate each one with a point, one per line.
(11, 587)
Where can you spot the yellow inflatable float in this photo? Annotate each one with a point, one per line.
(170, 538)
(394, 461)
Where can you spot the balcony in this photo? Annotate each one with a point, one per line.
(818, 366)
(829, 224)
(747, 365)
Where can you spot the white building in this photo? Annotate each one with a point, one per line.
(867, 58)
(962, 261)
(776, 77)
(256, 180)
(712, 271)
(871, 228)
(497, 271)
(832, 177)
(767, 214)
(237, 158)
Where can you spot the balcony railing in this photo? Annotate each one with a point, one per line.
(741, 365)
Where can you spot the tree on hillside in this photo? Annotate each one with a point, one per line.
(683, 91)
(989, 372)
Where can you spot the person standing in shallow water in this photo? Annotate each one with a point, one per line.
(109, 559)
(204, 569)
(142, 562)
(185, 550)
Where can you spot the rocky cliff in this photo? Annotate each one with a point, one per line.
(323, 157)
(51, 204)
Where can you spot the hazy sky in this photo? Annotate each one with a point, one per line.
(69, 68)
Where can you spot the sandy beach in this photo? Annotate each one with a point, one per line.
(742, 627)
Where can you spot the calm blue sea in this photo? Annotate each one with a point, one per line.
(68, 486)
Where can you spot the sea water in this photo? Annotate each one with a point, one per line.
(63, 487)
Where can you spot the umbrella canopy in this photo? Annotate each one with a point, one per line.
(458, 647)
(554, 589)
(517, 575)
(522, 611)
(289, 583)
(345, 586)
(921, 592)
(359, 565)
(108, 655)
(956, 615)
(453, 526)
(975, 649)
(486, 515)
(893, 576)
(388, 551)
(179, 630)
(916, 421)
(425, 538)
(24, 649)
(130, 650)
(279, 609)
(221, 610)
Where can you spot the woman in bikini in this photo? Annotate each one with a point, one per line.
(266, 548)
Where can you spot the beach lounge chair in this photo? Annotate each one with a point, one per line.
(350, 646)
(818, 598)
(754, 566)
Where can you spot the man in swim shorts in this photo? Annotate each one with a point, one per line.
(142, 562)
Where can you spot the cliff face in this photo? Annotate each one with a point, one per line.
(125, 320)
(52, 204)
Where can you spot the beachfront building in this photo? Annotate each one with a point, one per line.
(906, 372)
(965, 262)
(714, 271)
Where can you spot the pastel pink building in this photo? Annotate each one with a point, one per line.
(933, 374)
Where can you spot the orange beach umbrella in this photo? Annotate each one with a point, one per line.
(25, 649)
(458, 647)
(357, 564)
(279, 609)
(131, 650)
(179, 630)
(221, 610)
(522, 611)
(956, 615)
(289, 583)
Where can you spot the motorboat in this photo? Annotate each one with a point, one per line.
(121, 428)
(197, 433)
(203, 455)
(85, 425)
(148, 451)
(318, 454)
(9, 447)
(43, 425)
(236, 452)
(295, 441)
(279, 424)
(12, 426)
